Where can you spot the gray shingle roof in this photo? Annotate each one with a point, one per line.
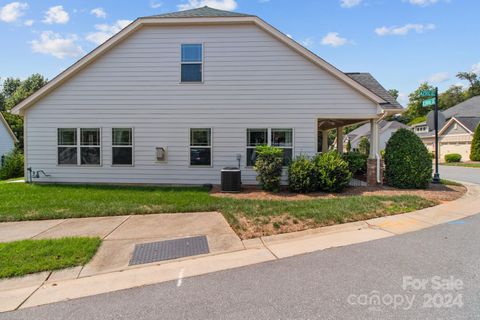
(468, 108)
(200, 12)
(369, 82)
(365, 129)
(470, 122)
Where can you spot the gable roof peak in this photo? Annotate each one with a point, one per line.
(204, 11)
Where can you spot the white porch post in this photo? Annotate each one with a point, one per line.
(374, 139)
(324, 141)
(340, 139)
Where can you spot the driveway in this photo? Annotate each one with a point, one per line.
(460, 174)
(430, 274)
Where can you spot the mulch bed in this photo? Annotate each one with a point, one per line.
(441, 193)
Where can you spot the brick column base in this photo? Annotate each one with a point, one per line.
(372, 172)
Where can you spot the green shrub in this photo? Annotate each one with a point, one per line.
(475, 149)
(12, 165)
(301, 176)
(407, 161)
(432, 155)
(364, 146)
(269, 167)
(453, 157)
(357, 162)
(331, 172)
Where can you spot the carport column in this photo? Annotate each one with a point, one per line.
(324, 141)
(340, 139)
(373, 174)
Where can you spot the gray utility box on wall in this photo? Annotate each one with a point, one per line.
(231, 180)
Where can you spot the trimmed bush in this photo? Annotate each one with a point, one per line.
(301, 177)
(475, 149)
(453, 157)
(331, 172)
(408, 164)
(12, 165)
(269, 167)
(357, 162)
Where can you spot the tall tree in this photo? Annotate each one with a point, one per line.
(451, 97)
(394, 93)
(15, 91)
(474, 80)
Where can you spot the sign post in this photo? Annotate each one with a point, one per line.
(433, 100)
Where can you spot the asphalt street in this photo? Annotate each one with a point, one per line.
(430, 274)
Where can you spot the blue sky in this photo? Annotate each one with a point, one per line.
(401, 42)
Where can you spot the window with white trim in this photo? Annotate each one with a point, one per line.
(78, 146)
(281, 138)
(122, 146)
(200, 147)
(191, 62)
(255, 137)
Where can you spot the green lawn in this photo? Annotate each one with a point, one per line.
(463, 164)
(29, 256)
(19, 201)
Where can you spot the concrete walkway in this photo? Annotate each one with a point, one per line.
(47, 288)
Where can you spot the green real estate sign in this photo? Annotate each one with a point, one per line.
(428, 102)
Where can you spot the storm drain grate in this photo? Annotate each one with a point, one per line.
(169, 249)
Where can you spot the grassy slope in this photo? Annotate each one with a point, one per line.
(28, 256)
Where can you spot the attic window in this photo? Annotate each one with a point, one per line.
(192, 63)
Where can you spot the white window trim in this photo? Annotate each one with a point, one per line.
(124, 146)
(202, 64)
(190, 148)
(79, 146)
(269, 142)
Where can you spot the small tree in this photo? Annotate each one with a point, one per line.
(475, 149)
(269, 167)
(408, 164)
(364, 146)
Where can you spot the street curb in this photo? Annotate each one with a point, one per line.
(256, 250)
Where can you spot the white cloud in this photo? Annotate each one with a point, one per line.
(404, 30)
(56, 15)
(155, 5)
(308, 42)
(476, 68)
(217, 4)
(422, 3)
(349, 3)
(12, 11)
(99, 13)
(334, 40)
(29, 23)
(56, 45)
(106, 31)
(439, 77)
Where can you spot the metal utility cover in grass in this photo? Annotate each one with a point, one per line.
(169, 249)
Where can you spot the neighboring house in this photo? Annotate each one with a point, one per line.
(386, 130)
(456, 134)
(7, 138)
(174, 98)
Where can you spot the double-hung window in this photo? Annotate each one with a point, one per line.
(281, 138)
(122, 146)
(67, 146)
(255, 137)
(78, 146)
(192, 63)
(201, 147)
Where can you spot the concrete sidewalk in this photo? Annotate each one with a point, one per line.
(46, 288)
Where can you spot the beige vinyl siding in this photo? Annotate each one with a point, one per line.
(251, 80)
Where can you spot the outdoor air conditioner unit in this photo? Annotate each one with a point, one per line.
(231, 180)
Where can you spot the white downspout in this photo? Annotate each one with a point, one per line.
(377, 142)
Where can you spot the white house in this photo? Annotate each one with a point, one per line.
(386, 130)
(7, 138)
(174, 98)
